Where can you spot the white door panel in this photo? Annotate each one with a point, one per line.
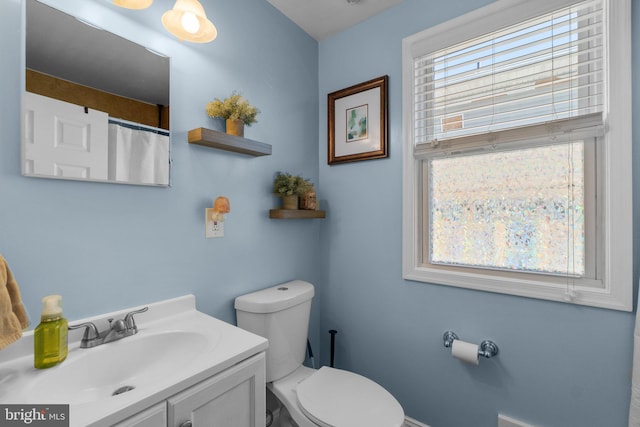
(63, 140)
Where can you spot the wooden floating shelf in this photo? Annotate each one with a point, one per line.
(295, 214)
(222, 141)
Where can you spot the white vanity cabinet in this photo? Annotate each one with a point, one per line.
(156, 416)
(234, 397)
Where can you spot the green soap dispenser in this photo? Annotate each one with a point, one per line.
(50, 336)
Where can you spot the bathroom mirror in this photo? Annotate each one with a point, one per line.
(95, 105)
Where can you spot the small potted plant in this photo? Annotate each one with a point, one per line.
(236, 110)
(290, 187)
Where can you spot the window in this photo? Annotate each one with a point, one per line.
(517, 164)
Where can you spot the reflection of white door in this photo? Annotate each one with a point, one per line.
(62, 140)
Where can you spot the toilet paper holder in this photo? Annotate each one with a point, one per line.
(487, 349)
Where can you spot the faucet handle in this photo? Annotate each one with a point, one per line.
(90, 333)
(130, 322)
(117, 326)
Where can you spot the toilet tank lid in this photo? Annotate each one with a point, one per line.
(276, 298)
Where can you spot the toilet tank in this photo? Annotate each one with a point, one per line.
(281, 315)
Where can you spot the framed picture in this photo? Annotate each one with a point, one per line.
(358, 122)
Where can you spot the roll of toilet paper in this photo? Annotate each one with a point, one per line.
(465, 351)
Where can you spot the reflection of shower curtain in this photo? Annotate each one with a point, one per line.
(138, 156)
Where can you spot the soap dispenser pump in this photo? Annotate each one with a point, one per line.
(50, 336)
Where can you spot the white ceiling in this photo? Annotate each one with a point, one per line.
(324, 18)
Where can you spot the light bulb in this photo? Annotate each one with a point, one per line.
(190, 22)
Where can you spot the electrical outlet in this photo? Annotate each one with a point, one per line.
(213, 228)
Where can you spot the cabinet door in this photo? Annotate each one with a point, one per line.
(156, 416)
(235, 397)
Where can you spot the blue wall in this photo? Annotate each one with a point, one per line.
(559, 365)
(106, 247)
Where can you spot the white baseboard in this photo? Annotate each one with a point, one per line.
(505, 421)
(410, 422)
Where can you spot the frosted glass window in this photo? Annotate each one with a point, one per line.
(517, 151)
(517, 210)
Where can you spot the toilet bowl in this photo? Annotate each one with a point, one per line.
(326, 397)
(332, 397)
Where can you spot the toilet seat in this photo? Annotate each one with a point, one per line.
(335, 398)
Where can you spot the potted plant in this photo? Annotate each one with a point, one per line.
(290, 187)
(236, 110)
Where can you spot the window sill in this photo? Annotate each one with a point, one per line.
(596, 297)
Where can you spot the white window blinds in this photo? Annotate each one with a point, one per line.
(540, 70)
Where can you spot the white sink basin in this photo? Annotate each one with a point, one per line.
(118, 367)
(175, 348)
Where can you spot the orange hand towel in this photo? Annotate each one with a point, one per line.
(13, 318)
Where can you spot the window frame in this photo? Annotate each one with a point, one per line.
(615, 186)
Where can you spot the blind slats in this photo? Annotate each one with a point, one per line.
(586, 17)
(516, 48)
(534, 85)
(582, 96)
(524, 57)
(544, 69)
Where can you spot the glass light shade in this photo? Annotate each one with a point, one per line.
(184, 27)
(190, 22)
(133, 4)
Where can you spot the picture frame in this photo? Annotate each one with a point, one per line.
(357, 122)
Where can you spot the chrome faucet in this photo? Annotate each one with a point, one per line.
(118, 329)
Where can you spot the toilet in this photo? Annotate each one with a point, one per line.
(326, 397)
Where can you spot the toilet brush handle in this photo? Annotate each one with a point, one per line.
(333, 333)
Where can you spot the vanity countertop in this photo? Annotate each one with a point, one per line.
(176, 347)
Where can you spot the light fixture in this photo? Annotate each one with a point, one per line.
(188, 21)
(133, 4)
